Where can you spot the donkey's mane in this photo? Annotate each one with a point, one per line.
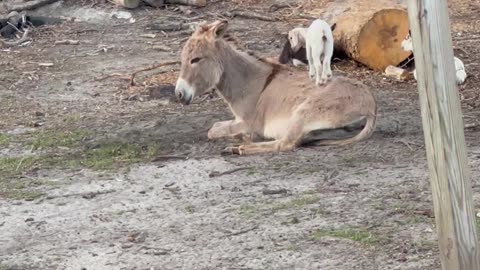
(236, 44)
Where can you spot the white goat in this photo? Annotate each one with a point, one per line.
(318, 41)
(461, 75)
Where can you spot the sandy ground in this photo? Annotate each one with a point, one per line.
(95, 175)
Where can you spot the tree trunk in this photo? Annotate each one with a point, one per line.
(370, 32)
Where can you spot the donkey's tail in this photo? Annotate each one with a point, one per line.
(363, 135)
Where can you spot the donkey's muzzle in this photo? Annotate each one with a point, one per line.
(183, 92)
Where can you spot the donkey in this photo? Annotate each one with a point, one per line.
(269, 100)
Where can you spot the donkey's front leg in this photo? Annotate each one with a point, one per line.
(232, 129)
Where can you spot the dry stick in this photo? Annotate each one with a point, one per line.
(276, 7)
(32, 5)
(242, 231)
(123, 76)
(17, 42)
(132, 78)
(168, 157)
(250, 15)
(217, 174)
(85, 195)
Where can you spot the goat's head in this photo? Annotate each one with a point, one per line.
(201, 68)
(407, 44)
(296, 38)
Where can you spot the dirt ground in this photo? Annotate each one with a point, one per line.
(95, 175)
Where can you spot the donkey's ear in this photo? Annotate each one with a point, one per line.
(219, 28)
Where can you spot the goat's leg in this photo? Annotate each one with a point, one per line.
(326, 71)
(288, 143)
(319, 70)
(311, 68)
(327, 57)
(232, 129)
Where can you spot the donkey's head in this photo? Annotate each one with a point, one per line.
(406, 44)
(201, 68)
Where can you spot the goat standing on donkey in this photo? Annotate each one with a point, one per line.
(268, 100)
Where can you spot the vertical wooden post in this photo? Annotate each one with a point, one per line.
(444, 134)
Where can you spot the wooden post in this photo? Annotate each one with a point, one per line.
(444, 134)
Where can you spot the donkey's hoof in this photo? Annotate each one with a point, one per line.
(231, 150)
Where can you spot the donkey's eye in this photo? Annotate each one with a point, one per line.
(195, 60)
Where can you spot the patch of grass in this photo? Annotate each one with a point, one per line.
(21, 194)
(54, 138)
(248, 210)
(296, 203)
(106, 155)
(190, 209)
(293, 247)
(9, 165)
(422, 245)
(5, 139)
(357, 235)
(477, 219)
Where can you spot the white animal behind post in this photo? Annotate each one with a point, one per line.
(318, 41)
(460, 74)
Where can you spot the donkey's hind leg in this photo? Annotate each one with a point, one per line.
(287, 143)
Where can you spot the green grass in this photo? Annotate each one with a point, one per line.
(106, 155)
(296, 203)
(53, 138)
(357, 235)
(5, 139)
(477, 220)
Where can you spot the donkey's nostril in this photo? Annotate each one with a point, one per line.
(180, 94)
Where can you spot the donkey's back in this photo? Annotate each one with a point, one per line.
(291, 102)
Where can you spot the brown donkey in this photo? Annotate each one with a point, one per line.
(268, 100)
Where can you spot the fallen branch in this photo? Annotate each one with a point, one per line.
(132, 77)
(197, 3)
(276, 7)
(242, 231)
(274, 191)
(169, 157)
(67, 42)
(31, 5)
(123, 76)
(217, 174)
(23, 39)
(85, 195)
(250, 15)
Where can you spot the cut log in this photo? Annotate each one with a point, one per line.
(397, 73)
(128, 3)
(370, 32)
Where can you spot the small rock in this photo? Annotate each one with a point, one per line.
(160, 252)
(29, 219)
(125, 246)
(142, 192)
(162, 48)
(39, 114)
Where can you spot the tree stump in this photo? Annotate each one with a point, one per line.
(370, 32)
